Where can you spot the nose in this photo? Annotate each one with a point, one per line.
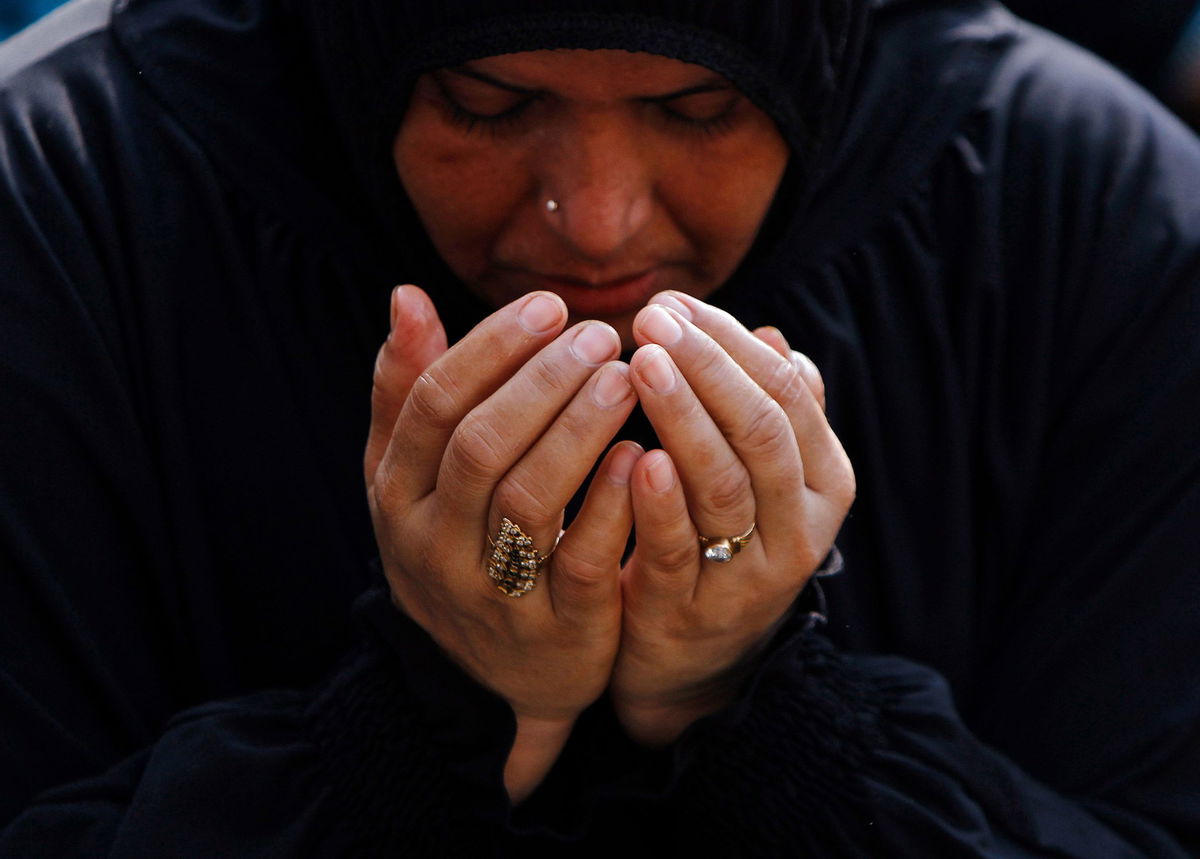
(602, 183)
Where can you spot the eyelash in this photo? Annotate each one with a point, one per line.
(714, 126)
(476, 122)
(496, 123)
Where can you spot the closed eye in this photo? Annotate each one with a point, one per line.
(705, 109)
(478, 103)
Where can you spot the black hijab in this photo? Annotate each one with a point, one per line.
(333, 79)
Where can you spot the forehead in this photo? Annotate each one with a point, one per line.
(595, 74)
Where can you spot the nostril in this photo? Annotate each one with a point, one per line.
(600, 225)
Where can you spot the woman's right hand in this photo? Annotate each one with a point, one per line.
(507, 424)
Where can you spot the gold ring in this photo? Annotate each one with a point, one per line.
(516, 564)
(720, 550)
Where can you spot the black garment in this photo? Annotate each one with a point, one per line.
(1137, 37)
(992, 254)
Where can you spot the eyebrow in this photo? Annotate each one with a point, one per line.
(716, 84)
(698, 89)
(468, 72)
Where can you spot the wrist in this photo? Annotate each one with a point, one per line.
(535, 748)
(658, 725)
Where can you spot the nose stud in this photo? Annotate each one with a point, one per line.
(552, 205)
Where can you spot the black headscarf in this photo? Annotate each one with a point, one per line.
(795, 59)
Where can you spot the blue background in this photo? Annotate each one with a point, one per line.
(15, 14)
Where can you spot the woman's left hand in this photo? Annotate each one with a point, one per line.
(746, 444)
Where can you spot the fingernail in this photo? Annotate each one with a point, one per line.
(595, 343)
(660, 326)
(540, 314)
(659, 473)
(656, 370)
(668, 300)
(395, 307)
(770, 332)
(612, 387)
(620, 467)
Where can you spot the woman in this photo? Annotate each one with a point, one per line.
(988, 248)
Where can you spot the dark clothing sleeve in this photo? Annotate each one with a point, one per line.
(347, 769)
(824, 756)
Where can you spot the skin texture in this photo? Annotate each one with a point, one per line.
(509, 421)
(670, 190)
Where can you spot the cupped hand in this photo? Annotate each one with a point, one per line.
(507, 423)
(745, 443)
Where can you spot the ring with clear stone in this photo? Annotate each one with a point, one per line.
(720, 550)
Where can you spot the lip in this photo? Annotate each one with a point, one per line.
(601, 298)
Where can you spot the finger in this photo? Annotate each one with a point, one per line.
(795, 525)
(666, 563)
(538, 487)
(768, 334)
(765, 362)
(753, 426)
(585, 573)
(768, 366)
(774, 338)
(495, 435)
(457, 382)
(811, 375)
(795, 384)
(717, 484)
(415, 341)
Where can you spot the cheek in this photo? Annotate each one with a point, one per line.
(728, 193)
(463, 198)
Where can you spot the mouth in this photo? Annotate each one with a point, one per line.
(609, 297)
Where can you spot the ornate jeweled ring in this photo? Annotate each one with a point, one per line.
(515, 564)
(720, 550)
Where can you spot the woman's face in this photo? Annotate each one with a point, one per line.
(662, 174)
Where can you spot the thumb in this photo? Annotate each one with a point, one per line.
(417, 339)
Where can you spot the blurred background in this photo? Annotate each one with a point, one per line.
(1156, 42)
(15, 14)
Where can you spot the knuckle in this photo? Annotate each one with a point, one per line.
(476, 451)
(550, 375)
(579, 428)
(709, 358)
(846, 483)
(379, 498)
(386, 495)
(433, 399)
(675, 558)
(582, 569)
(728, 490)
(786, 384)
(516, 498)
(391, 372)
(839, 483)
(810, 373)
(767, 431)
